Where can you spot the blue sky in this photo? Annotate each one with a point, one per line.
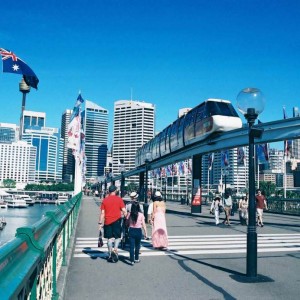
(168, 52)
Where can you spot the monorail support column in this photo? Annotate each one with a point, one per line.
(196, 184)
(141, 186)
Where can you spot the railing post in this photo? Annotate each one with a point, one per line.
(64, 262)
(54, 275)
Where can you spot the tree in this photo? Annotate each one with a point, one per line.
(268, 187)
(9, 183)
(132, 187)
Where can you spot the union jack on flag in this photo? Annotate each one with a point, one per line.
(13, 64)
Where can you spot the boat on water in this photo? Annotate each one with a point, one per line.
(62, 198)
(15, 202)
(27, 199)
(3, 204)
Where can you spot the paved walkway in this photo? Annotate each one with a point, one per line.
(203, 262)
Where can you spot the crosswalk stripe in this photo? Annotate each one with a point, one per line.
(193, 245)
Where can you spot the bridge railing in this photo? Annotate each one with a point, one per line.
(275, 205)
(31, 262)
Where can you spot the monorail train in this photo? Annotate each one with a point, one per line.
(211, 116)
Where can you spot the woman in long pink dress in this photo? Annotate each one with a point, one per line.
(159, 229)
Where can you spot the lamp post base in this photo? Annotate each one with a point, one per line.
(252, 253)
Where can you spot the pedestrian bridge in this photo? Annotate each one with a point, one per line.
(58, 258)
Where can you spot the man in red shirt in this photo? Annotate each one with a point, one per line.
(111, 209)
(260, 205)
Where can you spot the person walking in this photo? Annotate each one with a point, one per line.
(111, 209)
(227, 208)
(136, 222)
(150, 212)
(215, 209)
(261, 203)
(134, 197)
(159, 227)
(243, 210)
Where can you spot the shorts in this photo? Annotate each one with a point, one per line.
(227, 210)
(259, 212)
(113, 230)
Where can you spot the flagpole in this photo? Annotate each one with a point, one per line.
(237, 183)
(284, 177)
(78, 177)
(257, 175)
(207, 184)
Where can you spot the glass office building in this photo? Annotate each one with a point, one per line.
(49, 153)
(95, 124)
(68, 158)
(48, 143)
(9, 133)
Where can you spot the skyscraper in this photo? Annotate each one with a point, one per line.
(17, 162)
(95, 124)
(296, 142)
(33, 120)
(133, 127)
(9, 133)
(68, 158)
(48, 143)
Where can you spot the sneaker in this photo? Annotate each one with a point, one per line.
(114, 256)
(132, 263)
(109, 259)
(136, 260)
(262, 225)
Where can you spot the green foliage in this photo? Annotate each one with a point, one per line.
(132, 187)
(58, 187)
(9, 183)
(268, 187)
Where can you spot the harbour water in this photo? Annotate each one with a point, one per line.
(19, 217)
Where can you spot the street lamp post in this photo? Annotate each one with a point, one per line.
(147, 161)
(225, 174)
(250, 102)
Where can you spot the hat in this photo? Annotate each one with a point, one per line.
(157, 194)
(112, 188)
(134, 195)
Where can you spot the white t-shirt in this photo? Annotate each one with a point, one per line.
(150, 208)
(128, 207)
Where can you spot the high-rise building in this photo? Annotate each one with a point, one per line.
(276, 160)
(48, 143)
(95, 124)
(33, 120)
(17, 162)
(49, 154)
(296, 143)
(235, 175)
(9, 133)
(68, 158)
(133, 127)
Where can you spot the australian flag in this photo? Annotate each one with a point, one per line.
(13, 64)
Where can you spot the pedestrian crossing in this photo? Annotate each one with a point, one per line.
(86, 247)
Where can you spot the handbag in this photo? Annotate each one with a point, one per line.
(221, 208)
(100, 240)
